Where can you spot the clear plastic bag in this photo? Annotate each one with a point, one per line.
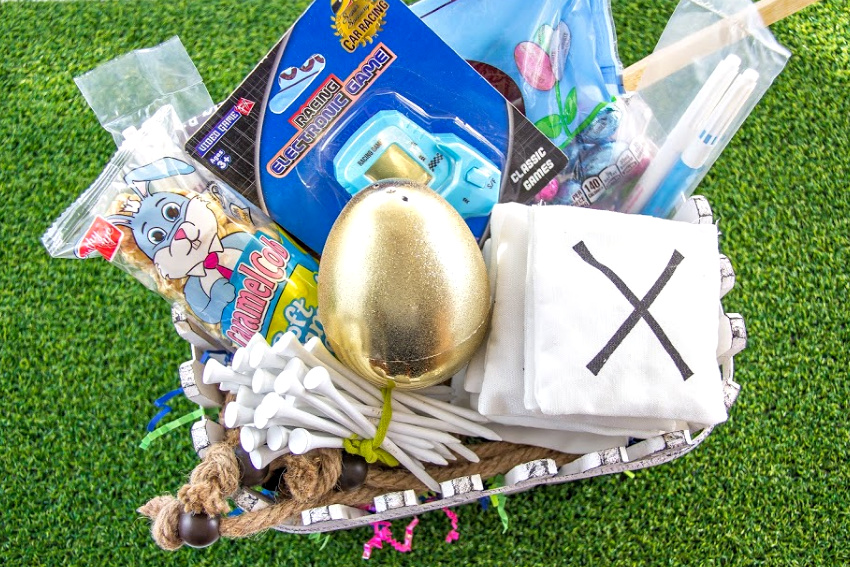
(156, 215)
(700, 86)
(126, 91)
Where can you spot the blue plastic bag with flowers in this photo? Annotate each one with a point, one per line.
(557, 62)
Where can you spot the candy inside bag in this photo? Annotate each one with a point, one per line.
(606, 158)
(157, 216)
(555, 60)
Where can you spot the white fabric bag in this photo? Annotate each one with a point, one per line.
(497, 371)
(622, 317)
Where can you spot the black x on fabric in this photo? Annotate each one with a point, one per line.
(641, 311)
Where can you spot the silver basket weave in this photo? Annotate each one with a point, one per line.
(644, 454)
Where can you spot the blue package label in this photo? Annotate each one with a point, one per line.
(276, 285)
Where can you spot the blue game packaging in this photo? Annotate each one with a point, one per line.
(362, 90)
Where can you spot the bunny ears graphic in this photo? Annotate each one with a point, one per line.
(139, 180)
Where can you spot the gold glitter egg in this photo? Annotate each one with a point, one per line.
(403, 289)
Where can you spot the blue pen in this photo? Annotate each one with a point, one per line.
(682, 133)
(680, 181)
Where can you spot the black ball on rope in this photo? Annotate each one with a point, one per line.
(354, 469)
(198, 530)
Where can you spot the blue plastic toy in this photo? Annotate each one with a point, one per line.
(390, 145)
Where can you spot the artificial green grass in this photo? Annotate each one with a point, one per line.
(85, 348)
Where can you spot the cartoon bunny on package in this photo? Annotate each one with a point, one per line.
(153, 213)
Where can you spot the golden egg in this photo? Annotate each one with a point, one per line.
(403, 289)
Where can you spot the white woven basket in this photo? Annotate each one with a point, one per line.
(646, 453)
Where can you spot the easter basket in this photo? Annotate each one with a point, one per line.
(310, 491)
(308, 498)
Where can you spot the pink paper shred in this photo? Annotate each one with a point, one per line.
(384, 534)
(453, 535)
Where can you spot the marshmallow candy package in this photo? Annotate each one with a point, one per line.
(158, 217)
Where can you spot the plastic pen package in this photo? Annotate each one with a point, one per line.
(700, 86)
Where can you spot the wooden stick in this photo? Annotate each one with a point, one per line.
(667, 61)
(774, 10)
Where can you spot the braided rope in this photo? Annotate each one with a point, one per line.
(212, 481)
(165, 513)
(310, 480)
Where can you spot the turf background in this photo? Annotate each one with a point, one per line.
(85, 349)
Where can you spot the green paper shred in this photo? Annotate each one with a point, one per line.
(319, 538)
(170, 426)
(499, 500)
